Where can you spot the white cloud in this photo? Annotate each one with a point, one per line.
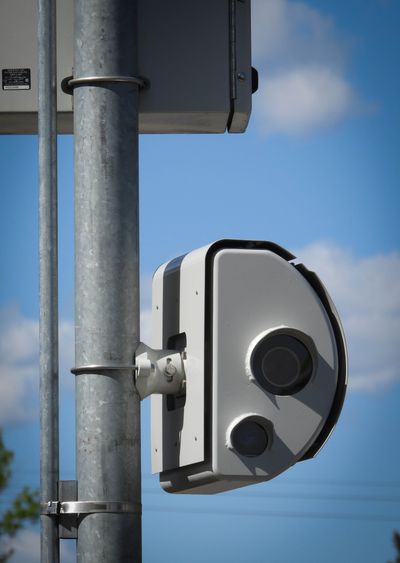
(301, 58)
(145, 291)
(19, 364)
(303, 99)
(145, 309)
(26, 547)
(290, 33)
(67, 353)
(145, 326)
(366, 292)
(19, 361)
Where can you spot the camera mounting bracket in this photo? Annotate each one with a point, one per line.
(156, 371)
(159, 371)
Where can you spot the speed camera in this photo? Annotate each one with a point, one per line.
(265, 363)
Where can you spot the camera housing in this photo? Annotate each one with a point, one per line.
(265, 362)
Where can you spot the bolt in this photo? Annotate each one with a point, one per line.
(241, 76)
(169, 370)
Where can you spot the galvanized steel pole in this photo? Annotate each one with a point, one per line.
(48, 279)
(107, 278)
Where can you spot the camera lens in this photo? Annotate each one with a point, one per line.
(281, 364)
(249, 438)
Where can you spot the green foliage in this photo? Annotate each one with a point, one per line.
(396, 541)
(6, 458)
(24, 507)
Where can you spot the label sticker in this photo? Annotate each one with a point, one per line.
(16, 78)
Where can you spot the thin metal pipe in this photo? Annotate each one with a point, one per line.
(107, 279)
(48, 275)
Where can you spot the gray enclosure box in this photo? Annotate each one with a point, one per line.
(196, 56)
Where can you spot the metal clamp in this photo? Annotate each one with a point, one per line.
(69, 82)
(67, 510)
(56, 508)
(51, 508)
(100, 368)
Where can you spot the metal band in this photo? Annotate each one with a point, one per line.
(56, 508)
(69, 83)
(99, 368)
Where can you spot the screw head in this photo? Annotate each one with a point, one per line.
(241, 76)
(169, 370)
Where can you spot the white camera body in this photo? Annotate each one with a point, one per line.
(265, 363)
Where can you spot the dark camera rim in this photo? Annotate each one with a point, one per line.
(258, 419)
(302, 344)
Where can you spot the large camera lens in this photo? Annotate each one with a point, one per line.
(281, 364)
(249, 438)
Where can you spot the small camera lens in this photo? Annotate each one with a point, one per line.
(281, 364)
(249, 438)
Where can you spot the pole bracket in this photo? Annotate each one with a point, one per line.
(97, 368)
(68, 511)
(77, 507)
(67, 522)
(69, 82)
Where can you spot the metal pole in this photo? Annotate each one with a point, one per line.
(48, 280)
(107, 278)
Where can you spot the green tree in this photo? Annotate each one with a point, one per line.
(396, 541)
(24, 508)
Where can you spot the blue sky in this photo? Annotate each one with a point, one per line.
(317, 172)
